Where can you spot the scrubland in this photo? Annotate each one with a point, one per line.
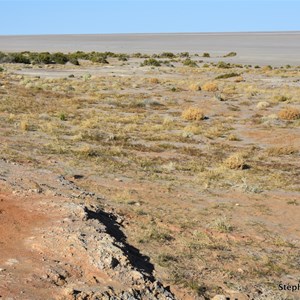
(201, 159)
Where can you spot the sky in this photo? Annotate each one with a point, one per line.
(146, 16)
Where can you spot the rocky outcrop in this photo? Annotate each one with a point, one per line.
(77, 251)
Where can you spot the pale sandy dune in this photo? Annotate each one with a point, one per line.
(276, 48)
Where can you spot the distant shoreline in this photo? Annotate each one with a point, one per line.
(160, 33)
(264, 48)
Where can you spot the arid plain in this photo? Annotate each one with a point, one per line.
(127, 173)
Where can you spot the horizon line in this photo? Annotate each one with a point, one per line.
(163, 33)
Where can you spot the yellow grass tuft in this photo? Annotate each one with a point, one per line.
(153, 80)
(235, 162)
(266, 68)
(289, 113)
(193, 114)
(193, 129)
(195, 87)
(24, 125)
(285, 150)
(281, 98)
(210, 87)
(239, 79)
(233, 137)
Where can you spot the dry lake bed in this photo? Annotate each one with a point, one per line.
(274, 48)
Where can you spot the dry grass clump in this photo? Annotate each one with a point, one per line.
(227, 75)
(289, 113)
(210, 87)
(285, 150)
(281, 98)
(24, 125)
(233, 137)
(192, 129)
(235, 162)
(153, 80)
(168, 120)
(195, 87)
(193, 114)
(239, 79)
(229, 90)
(267, 68)
(262, 104)
(222, 225)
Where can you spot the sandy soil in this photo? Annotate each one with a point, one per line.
(45, 255)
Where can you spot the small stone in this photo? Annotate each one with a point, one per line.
(219, 297)
(69, 291)
(11, 261)
(44, 116)
(136, 276)
(36, 191)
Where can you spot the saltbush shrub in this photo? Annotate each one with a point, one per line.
(167, 55)
(228, 75)
(190, 63)
(59, 58)
(230, 54)
(223, 65)
(151, 62)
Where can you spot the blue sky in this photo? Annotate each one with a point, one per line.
(144, 16)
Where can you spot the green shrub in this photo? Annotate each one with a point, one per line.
(59, 58)
(151, 62)
(74, 61)
(79, 55)
(167, 55)
(17, 58)
(223, 65)
(228, 75)
(2, 57)
(184, 54)
(137, 55)
(190, 63)
(40, 58)
(230, 54)
(45, 58)
(62, 117)
(123, 57)
(99, 57)
(109, 54)
(241, 66)
(206, 54)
